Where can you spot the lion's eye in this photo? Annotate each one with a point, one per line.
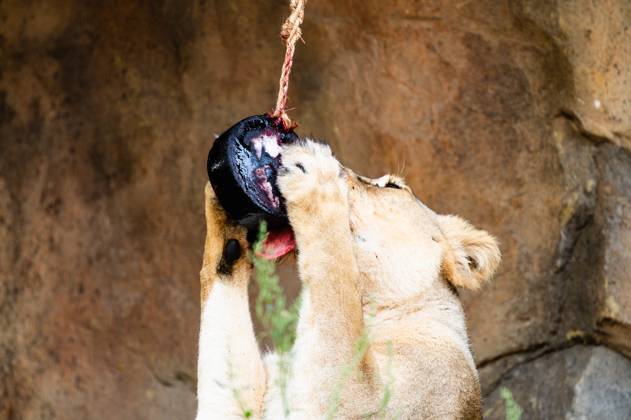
(393, 185)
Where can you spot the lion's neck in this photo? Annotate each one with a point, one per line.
(435, 313)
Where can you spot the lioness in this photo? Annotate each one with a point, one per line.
(372, 258)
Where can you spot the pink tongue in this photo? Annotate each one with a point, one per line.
(277, 244)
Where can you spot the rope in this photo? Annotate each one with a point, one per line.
(290, 33)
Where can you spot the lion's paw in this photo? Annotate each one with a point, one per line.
(310, 176)
(221, 236)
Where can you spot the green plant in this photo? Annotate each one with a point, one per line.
(513, 410)
(246, 413)
(277, 318)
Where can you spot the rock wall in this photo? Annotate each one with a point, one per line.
(514, 114)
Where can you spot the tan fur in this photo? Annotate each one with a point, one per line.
(471, 255)
(227, 343)
(375, 260)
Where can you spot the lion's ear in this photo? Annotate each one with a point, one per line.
(471, 255)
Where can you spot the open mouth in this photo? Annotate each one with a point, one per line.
(264, 161)
(279, 242)
(267, 149)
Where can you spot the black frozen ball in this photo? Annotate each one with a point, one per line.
(242, 167)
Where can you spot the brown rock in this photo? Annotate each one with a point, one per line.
(578, 383)
(107, 111)
(614, 310)
(595, 39)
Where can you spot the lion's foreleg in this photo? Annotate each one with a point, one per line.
(331, 335)
(231, 377)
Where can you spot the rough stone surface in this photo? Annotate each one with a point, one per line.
(594, 38)
(489, 108)
(584, 382)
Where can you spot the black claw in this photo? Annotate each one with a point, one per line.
(231, 253)
(301, 167)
